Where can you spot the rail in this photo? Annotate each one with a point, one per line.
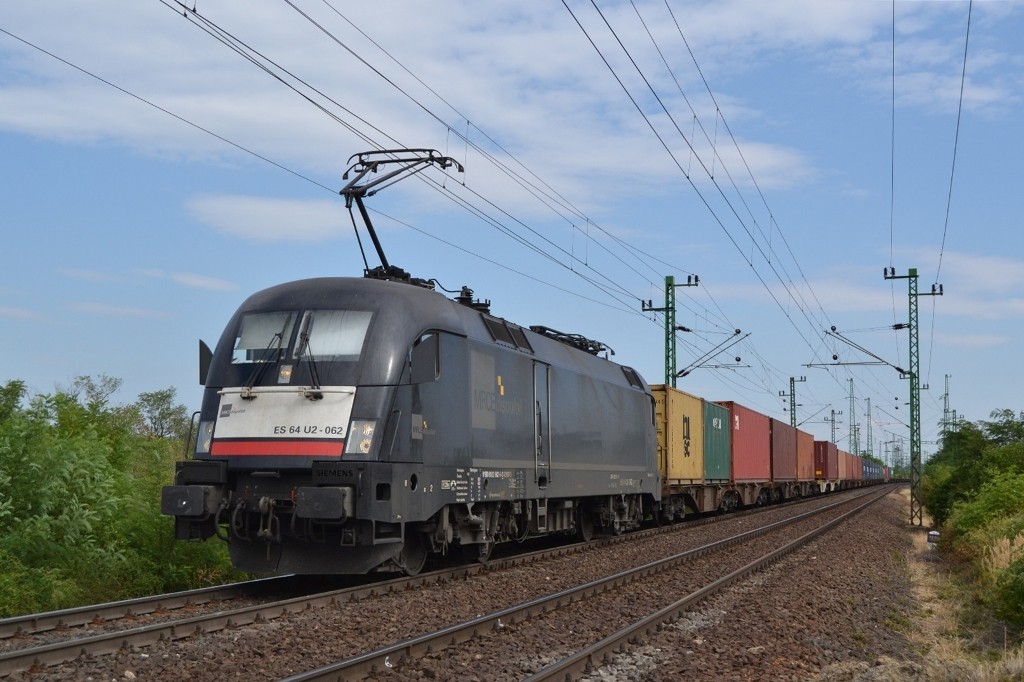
(384, 658)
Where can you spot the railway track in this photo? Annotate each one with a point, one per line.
(592, 656)
(36, 641)
(174, 616)
(494, 627)
(27, 626)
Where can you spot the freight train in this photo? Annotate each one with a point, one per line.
(351, 425)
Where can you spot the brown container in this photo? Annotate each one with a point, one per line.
(804, 456)
(679, 418)
(826, 460)
(751, 443)
(844, 465)
(783, 451)
(858, 468)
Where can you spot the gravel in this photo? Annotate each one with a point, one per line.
(835, 602)
(828, 611)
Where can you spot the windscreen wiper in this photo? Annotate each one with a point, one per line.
(257, 374)
(303, 350)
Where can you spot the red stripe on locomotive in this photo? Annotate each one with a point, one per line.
(277, 448)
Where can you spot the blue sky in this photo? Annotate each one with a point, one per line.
(770, 152)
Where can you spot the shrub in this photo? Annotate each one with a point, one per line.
(997, 498)
(1009, 593)
(80, 488)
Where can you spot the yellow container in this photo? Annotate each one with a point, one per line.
(680, 420)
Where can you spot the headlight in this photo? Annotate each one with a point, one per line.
(284, 375)
(203, 437)
(360, 435)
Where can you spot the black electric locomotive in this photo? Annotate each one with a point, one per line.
(357, 424)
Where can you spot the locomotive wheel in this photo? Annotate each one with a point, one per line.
(484, 551)
(414, 553)
(585, 525)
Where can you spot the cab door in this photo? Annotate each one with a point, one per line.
(542, 423)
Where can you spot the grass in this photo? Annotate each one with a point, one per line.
(951, 627)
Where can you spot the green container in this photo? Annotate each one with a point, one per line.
(717, 446)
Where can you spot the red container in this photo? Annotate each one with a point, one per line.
(783, 451)
(844, 465)
(751, 443)
(858, 468)
(804, 456)
(826, 460)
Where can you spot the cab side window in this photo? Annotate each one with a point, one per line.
(426, 358)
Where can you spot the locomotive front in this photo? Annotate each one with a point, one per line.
(298, 395)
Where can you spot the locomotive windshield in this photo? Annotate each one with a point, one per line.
(261, 336)
(332, 335)
(326, 336)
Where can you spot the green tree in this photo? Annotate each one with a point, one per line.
(80, 482)
(973, 486)
(955, 472)
(1005, 428)
(11, 395)
(162, 417)
(997, 498)
(1010, 593)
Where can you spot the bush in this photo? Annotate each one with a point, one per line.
(998, 498)
(973, 487)
(1009, 593)
(80, 488)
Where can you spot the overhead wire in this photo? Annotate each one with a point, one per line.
(541, 194)
(282, 167)
(720, 114)
(754, 181)
(892, 176)
(956, 140)
(630, 248)
(952, 174)
(625, 245)
(786, 281)
(170, 113)
(687, 175)
(553, 193)
(739, 151)
(254, 56)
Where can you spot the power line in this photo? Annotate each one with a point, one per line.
(269, 66)
(770, 255)
(473, 209)
(794, 297)
(166, 111)
(956, 139)
(952, 173)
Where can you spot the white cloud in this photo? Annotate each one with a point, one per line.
(107, 310)
(549, 107)
(190, 279)
(977, 273)
(271, 220)
(974, 285)
(21, 314)
(986, 308)
(196, 281)
(89, 275)
(972, 340)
